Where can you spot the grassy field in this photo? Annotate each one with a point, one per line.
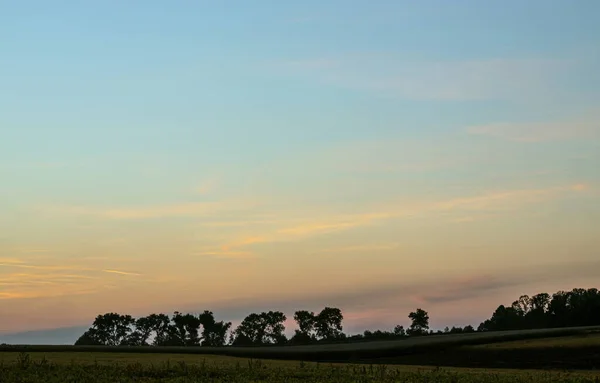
(131, 367)
(523, 356)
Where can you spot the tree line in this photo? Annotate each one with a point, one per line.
(579, 307)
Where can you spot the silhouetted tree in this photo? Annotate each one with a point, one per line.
(110, 329)
(420, 322)
(214, 334)
(263, 328)
(185, 330)
(88, 338)
(328, 323)
(306, 322)
(154, 326)
(399, 330)
(579, 307)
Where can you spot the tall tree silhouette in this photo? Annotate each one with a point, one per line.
(328, 323)
(578, 307)
(214, 334)
(263, 328)
(305, 333)
(110, 329)
(185, 330)
(420, 322)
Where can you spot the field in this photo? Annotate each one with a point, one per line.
(575, 352)
(533, 357)
(347, 352)
(130, 367)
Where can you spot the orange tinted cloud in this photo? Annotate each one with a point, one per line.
(475, 205)
(121, 272)
(580, 187)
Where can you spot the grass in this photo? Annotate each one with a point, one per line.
(581, 340)
(517, 356)
(111, 359)
(573, 352)
(130, 367)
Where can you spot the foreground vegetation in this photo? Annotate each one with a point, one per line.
(526, 360)
(25, 368)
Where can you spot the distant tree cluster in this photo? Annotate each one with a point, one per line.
(579, 307)
(113, 329)
(265, 328)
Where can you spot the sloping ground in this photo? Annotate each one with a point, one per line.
(575, 352)
(574, 341)
(366, 351)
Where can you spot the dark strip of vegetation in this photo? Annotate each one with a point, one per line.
(26, 370)
(557, 358)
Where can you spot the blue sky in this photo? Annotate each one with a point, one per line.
(142, 143)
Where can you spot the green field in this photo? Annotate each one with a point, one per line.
(524, 356)
(131, 367)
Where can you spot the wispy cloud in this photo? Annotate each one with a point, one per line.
(361, 248)
(341, 223)
(442, 80)
(386, 303)
(43, 280)
(580, 187)
(489, 205)
(37, 284)
(24, 265)
(7, 261)
(150, 212)
(32, 250)
(121, 272)
(238, 223)
(499, 199)
(540, 131)
(206, 186)
(37, 166)
(227, 254)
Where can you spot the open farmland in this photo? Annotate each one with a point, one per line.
(130, 367)
(556, 349)
(574, 341)
(579, 351)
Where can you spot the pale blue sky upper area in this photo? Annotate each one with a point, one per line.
(197, 87)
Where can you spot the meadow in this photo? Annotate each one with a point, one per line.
(130, 367)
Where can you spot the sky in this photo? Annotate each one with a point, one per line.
(236, 156)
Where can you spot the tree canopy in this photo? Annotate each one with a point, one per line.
(579, 307)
